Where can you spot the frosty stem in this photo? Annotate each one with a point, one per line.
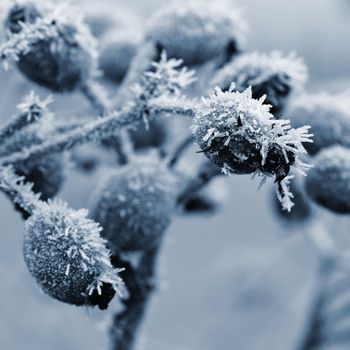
(140, 283)
(179, 150)
(207, 172)
(19, 192)
(99, 101)
(93, 131)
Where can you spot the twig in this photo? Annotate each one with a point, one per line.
(207, 172)
(140, 283)
(179, 150)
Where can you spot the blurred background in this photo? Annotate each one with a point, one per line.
(235, 280)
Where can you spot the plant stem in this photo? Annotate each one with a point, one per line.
(99, 101)
(179, 150)
(19, 192)
(93, 131)
(207, 172)
(140, 283)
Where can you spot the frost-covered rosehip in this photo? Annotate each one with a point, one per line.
(66, 255)
(197, 32)
(116, 53)
(274, 75)
(134, 204)
(240, 135)
(328, 116)
(54, 49)
(328, 182)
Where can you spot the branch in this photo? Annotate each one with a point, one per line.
(207, 172)
(140, 284)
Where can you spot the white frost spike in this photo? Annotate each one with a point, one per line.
(284, 194)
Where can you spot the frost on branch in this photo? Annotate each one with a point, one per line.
(31, 127)
(239, 134)
(166, 80)
(66, 255)
(51, 46)
(275, 75)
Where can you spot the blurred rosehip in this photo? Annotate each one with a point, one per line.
(155, 135)
(273, 75)
(328, 116)
(61, 62)
(134, 204)
(67, 257)
(197, 32)
(328, 182)
(116, 53)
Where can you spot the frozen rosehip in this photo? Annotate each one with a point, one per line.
(116, 53)
(328, 116)
(197, 32)
(275, 75)
(62, 58)
(240, 135)
(134, 204)
(67, 257)
(328, 182)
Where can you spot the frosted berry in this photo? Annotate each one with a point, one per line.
(134, 204)
(328, 116)
(328, 182)
(60, 63)
(197, 32)
(116, 53)
(275, 75)
(67, 257)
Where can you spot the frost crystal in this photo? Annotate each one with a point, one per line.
(239, 134)
(65, 253)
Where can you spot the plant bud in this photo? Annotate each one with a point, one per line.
(197, 32)
(61, 62)
(328, 182)
(134, 204)
(328, 116)
(67, 257)
(116, 54)
(273, 75)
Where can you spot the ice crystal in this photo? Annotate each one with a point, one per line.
(197, 32)
(239, 134)
(65, 253)
(274, 75)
